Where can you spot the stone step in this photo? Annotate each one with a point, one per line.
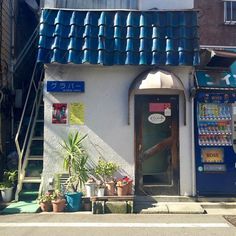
(163, 198)
(37, 138)
(35, 158)
(171, 208)
(216, 199)
(28, 195)
(218, 205)
(32, 180)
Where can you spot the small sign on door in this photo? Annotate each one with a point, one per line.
(160, 107)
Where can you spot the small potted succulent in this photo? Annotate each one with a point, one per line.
(58, 201)
(106, 170)
(45, 201)
(6, 187)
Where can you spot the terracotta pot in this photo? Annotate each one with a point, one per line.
(59, 205)
(110, 188)
(122, 190)
(46, 206)
(87, 206)
(130, 190)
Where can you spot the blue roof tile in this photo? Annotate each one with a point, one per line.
(119, 37)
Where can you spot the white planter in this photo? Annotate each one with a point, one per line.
(90, 189)
(7, 194)
(101, 192)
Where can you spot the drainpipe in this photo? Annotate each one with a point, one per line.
(191, 84)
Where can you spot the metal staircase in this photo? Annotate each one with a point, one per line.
(29, 140)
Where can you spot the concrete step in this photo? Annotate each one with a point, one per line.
(37, 138)
(216, 199)
(218, 205)
(171, 208)
(35, 158)
(163, 198)
(28, 195)
(32, 180)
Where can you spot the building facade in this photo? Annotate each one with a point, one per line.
(136, 107)
(6, 77)
(217, 23)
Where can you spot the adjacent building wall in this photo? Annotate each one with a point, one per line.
(212, 30)
(118, 4)
(166, 4)
(6, 58)
(6, 40)
(90, 4)
(106, 118)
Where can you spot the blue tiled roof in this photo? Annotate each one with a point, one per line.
(119, 37)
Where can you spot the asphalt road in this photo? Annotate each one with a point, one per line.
(103, 225)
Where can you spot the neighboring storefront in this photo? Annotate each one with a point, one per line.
(215, 120)
(123, 78)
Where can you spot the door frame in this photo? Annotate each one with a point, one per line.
(140, 189)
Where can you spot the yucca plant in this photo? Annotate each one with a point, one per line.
(75, 160)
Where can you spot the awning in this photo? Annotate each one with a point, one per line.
(157, 79)
(160, 79)
(215, 80)
(217, 58)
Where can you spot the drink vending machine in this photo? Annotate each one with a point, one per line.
(215, 142)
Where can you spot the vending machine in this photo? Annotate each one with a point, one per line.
(215, 135)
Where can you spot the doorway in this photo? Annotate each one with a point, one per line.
(157, 144)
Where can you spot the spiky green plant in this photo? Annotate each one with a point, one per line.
(75, 160)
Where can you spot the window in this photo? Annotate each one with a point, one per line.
(230, 12)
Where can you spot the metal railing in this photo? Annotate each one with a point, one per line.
(25, 130)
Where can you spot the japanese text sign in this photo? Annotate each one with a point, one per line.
(65, 86)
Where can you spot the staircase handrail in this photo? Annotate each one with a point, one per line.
(36, 88)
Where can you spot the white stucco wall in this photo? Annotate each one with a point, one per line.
(166, 4)
(106, 100)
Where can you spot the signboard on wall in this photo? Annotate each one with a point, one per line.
(212, 155)
(65, 86)
(59, 113)
(76, 114)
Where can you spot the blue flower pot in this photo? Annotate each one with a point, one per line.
(73, 201)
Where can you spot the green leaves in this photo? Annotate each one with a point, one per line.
(75, 160)
(9, 178)
(106, 169)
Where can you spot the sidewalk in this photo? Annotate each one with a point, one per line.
(208, 206)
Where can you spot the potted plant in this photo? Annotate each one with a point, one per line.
(58, 201)
(45, 201)
(100, 189)
(106, 170)
(124, 186)
(90, 187)
(75, 163)
(6, 187)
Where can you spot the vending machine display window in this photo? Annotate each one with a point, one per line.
(214, 124)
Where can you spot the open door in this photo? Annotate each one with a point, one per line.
(157, 139)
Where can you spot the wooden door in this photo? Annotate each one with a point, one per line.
(157, 139)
